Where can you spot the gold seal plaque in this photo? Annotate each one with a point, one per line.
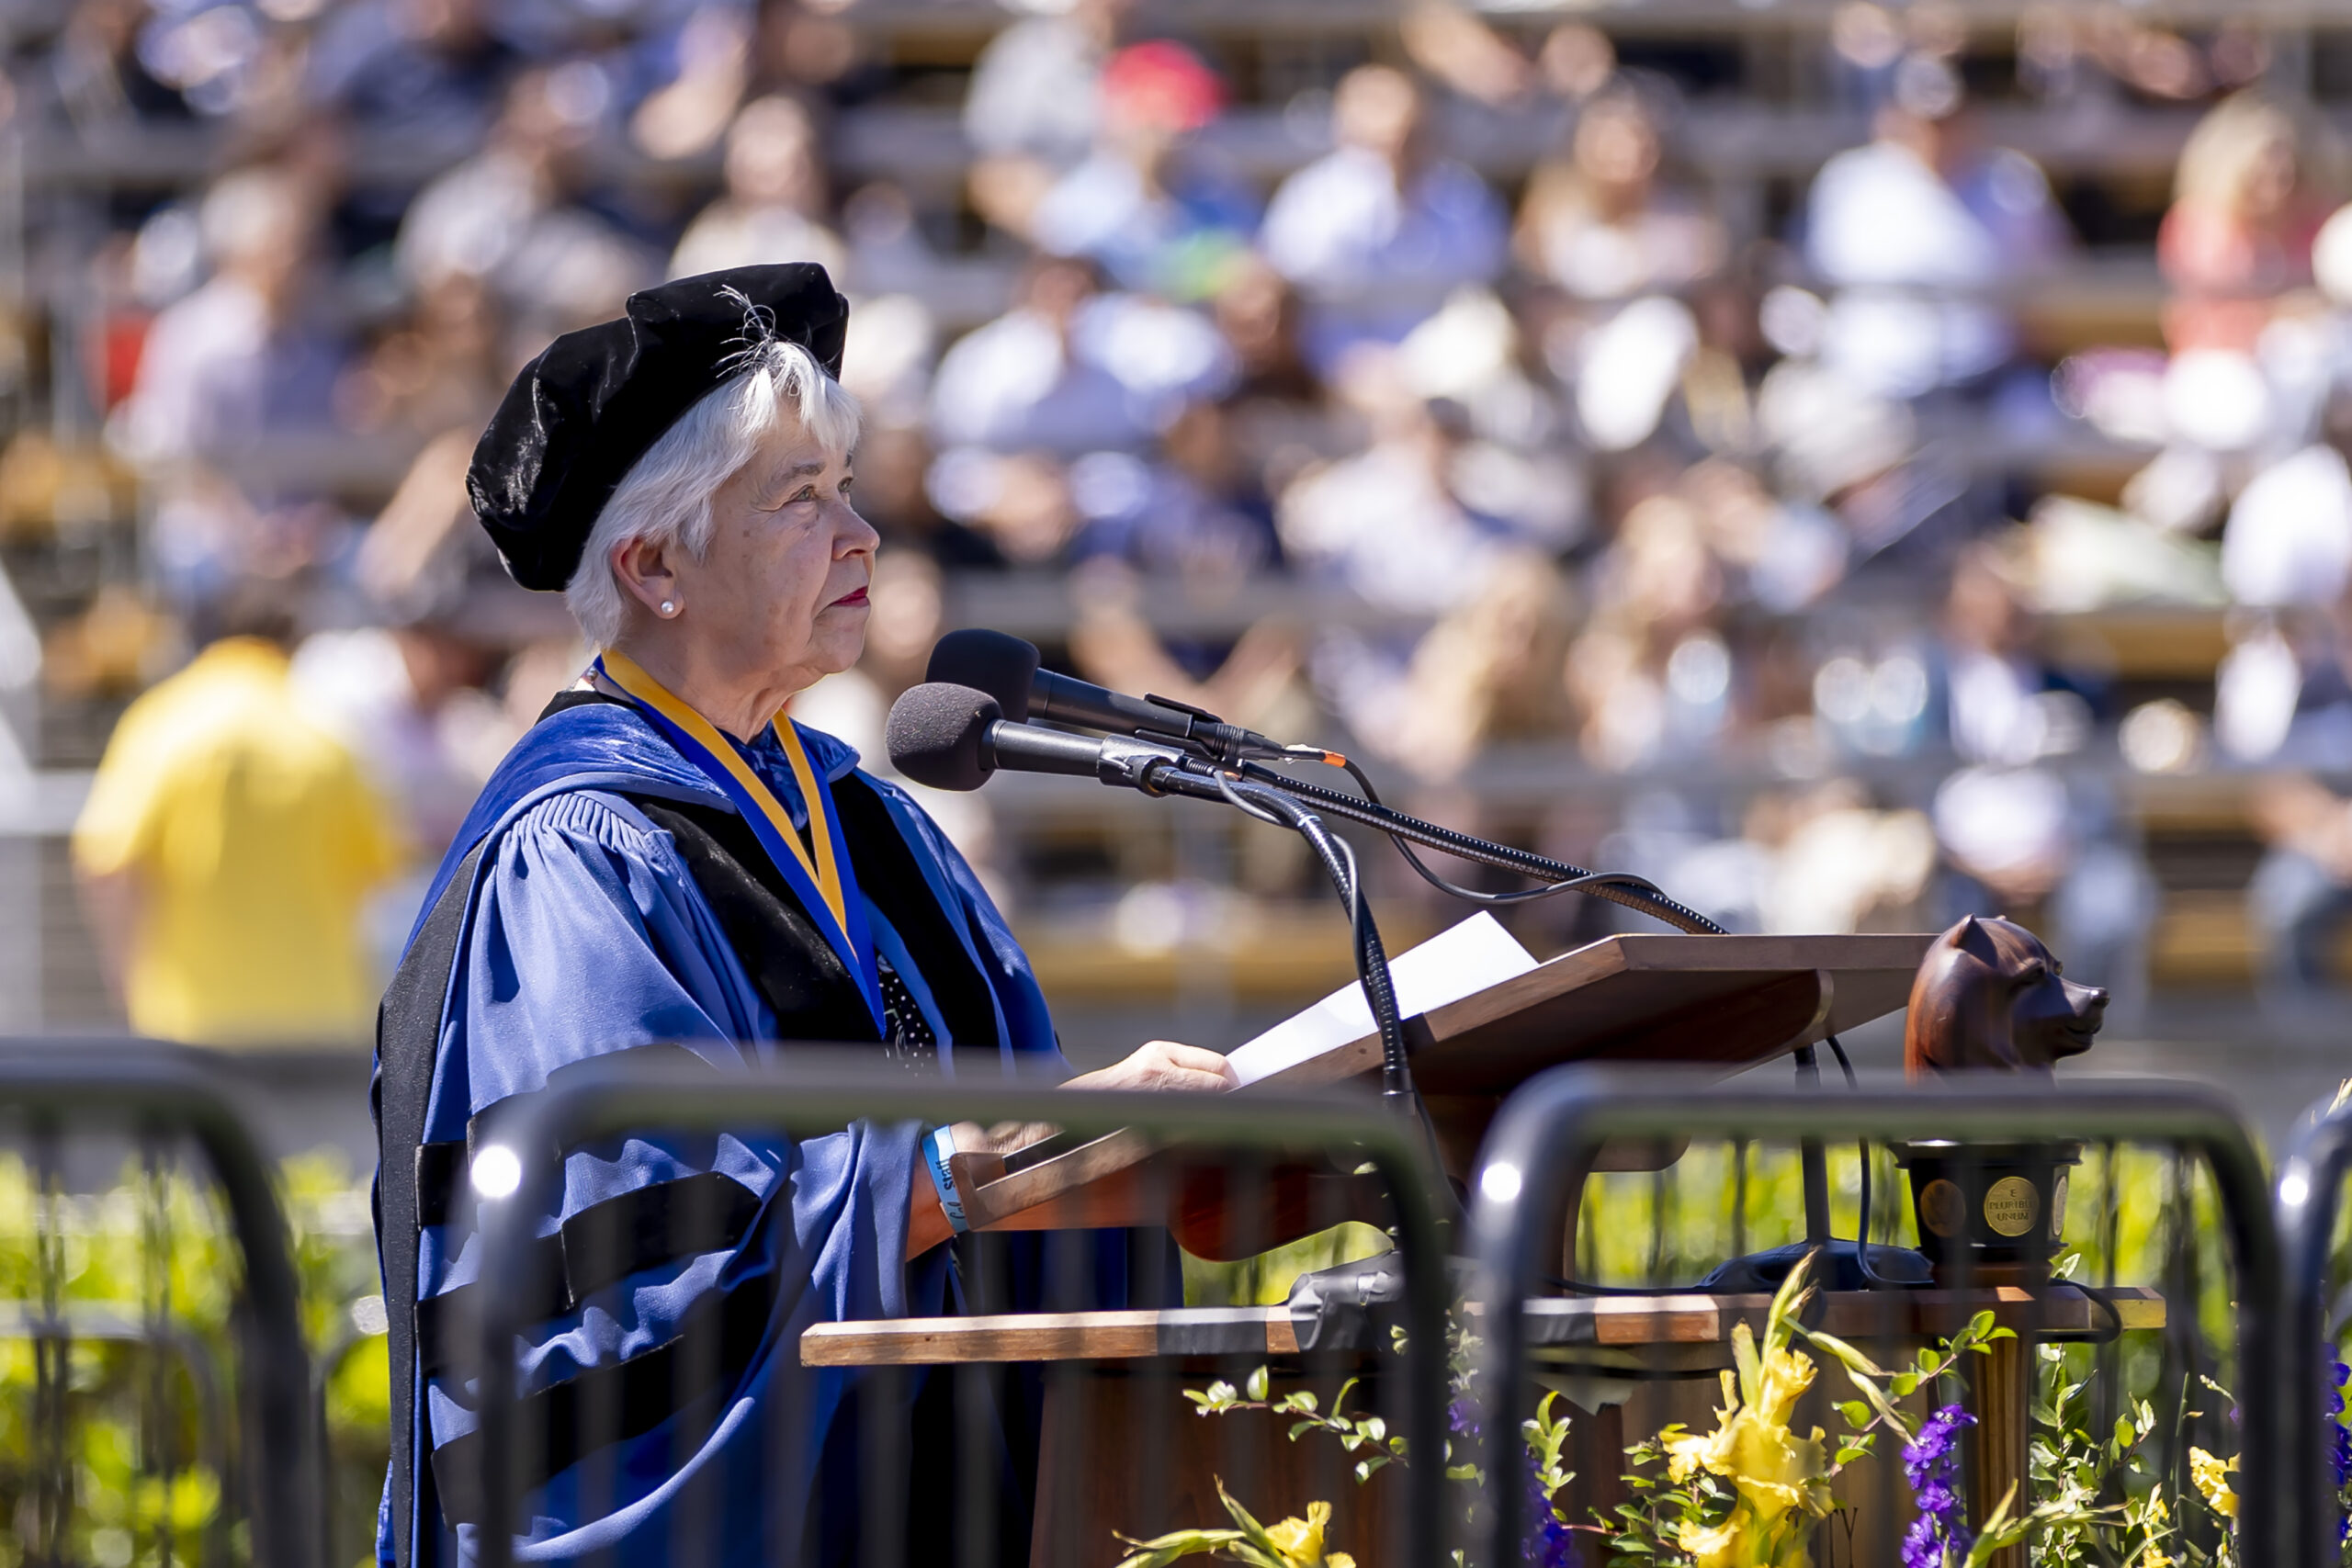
(1942, 1208)
(2011, 1206)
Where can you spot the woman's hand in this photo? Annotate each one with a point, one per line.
(1164, 1064)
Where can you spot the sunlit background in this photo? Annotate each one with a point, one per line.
(1852, 465)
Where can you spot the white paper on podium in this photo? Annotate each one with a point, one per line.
(1452, 964)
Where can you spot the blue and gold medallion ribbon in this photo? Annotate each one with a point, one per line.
(823, 880)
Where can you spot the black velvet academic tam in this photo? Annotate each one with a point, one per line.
(581, 413)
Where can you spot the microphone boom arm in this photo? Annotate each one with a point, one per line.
(1634, 893)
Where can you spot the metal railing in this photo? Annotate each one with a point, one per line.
(609, 1099)
(1544, 1142)
(2311, 1210)
(54, 1088)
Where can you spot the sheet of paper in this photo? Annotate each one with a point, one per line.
(1453, 964)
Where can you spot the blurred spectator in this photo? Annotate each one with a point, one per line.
(708, 66)
(226, 851)
(1596, 223)
(2283, 694)
(1199, 515)
(2002, 704)
(509, 216)
(1652, 677)
(444, 369)
(1070, 369)
(1391, 526)
(1146, 205)
(2019, 843)
(410, 69)
(1485, 675)
(2289, 539)
(407, 701)
(2246, 203)
(97, 71)
(1377, 233)
(1493, 71)
(245, 355)
(1199, 523)
(2301, 897)
(1910, 227)
(773, 206)
(1821, 858)
(1257, 313)
(1033, 87)
(1387, 522)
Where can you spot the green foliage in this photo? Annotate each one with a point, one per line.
(113, 1443)
(1546, 1434)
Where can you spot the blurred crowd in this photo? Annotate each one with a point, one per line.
(1729, 521)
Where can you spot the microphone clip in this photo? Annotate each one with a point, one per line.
(1136, 764)
(1215, 738)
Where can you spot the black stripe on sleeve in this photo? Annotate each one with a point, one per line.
(559, 1425)
(600, 1245)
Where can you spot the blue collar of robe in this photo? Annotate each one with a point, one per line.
(601, 746)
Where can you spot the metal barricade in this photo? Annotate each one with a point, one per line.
(253, 1423)
(1532, 1186)
(2310, 1214)
(608, 1100)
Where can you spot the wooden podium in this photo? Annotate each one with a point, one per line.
(1727, 1000)
(1730, 1001)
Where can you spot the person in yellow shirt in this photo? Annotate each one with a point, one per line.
(226, 853)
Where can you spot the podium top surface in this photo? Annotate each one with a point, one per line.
(1652, 997)
(1628, 1323)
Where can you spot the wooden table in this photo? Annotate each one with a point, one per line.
(1121, 1452)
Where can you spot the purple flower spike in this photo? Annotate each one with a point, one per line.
(1931, 1464)
(1550, 1543)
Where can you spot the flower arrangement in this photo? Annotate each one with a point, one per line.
(1753, 1491)
(1293, 1543)
(1551, 1541)
(1749, 1494)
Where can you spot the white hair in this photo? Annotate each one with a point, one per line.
(665, 497)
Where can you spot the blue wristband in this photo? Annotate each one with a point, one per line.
(937, 1146)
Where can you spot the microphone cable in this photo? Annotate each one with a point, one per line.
(1622, 888)
(1338, 858)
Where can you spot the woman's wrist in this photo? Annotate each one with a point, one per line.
(938, 1148)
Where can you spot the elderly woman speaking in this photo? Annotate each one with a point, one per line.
(665, 864)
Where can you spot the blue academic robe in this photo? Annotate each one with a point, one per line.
(584, 934)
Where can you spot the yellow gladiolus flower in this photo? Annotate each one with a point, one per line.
(1301, 1540)
(1712, 1546)
(2211, 1477)
(1780, 1477)
(1775, 1469)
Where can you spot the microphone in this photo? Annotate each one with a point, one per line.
(1006, 668)
(954, 738)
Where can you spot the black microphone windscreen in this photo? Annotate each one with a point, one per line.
(994, 662)
(935, 732)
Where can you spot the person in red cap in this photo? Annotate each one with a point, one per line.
(1150, 205)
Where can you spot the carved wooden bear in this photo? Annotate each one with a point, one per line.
(1990, 995)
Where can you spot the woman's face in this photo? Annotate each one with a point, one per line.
(780, 597)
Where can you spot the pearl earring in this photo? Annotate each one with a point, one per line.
(668, 608)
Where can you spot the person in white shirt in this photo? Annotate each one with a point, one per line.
(239, 357)
(1914, 230)
(1070, 370)
(1377, 234)
(773, 208)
